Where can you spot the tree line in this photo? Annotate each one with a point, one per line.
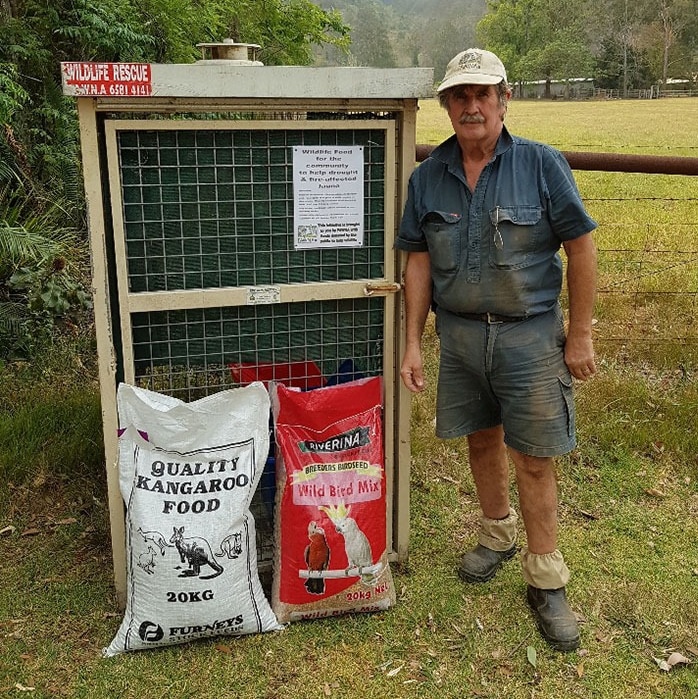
(621, 44)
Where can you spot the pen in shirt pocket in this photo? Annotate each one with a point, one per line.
(498, 240)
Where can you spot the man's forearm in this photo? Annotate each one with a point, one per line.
(581, 284)
(418, 289)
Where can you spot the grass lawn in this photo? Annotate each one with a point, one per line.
(628, 502)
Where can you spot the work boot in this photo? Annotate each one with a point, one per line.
(480, 564)
(556, 622)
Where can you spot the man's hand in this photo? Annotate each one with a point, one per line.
(579, 356)
(412, 371)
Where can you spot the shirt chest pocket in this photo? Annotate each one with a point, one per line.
(515, 235)
(442, 231)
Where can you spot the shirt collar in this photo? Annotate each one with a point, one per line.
(449, 153)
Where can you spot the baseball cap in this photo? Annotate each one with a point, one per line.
(473, 67)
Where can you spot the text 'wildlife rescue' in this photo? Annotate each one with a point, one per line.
(109, 79)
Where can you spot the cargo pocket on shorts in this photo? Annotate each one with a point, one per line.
(567, 391)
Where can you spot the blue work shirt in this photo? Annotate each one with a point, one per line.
(495, 249)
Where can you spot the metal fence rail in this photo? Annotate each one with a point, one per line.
(614, 162)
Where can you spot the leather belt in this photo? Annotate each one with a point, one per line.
(490, 317)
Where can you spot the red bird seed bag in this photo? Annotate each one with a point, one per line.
(330, 525)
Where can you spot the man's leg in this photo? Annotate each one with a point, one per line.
(544, 568)
(535, 477)
(489, 465)
(497, 537)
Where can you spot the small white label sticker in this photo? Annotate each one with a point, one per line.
(263, 294)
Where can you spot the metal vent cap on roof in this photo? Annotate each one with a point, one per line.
(230, 52)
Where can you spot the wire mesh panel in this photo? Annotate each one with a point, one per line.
(210, 208)
(189, 353)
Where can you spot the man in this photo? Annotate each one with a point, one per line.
(485, 218)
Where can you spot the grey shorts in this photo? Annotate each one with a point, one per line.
(509, 374)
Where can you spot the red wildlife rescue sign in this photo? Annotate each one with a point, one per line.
(108, 79)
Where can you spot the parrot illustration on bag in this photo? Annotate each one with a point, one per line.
(356, 544)
(317, 557)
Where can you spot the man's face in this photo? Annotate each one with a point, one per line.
(476, 112)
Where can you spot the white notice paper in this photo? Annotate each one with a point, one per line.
(328, 202)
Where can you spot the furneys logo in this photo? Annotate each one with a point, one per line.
(358, 437)
(150, 632)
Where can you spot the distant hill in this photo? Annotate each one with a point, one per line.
(432, 8)
(405, 33)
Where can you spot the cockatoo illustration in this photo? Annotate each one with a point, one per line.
(317, 557)
(356, 544)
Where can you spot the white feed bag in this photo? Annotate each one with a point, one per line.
(187, 473)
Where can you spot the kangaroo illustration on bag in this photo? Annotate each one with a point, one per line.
(156, 537)
(231, 546)
(195, 551)
(147, 560)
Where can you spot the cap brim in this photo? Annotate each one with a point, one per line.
(470, 79)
